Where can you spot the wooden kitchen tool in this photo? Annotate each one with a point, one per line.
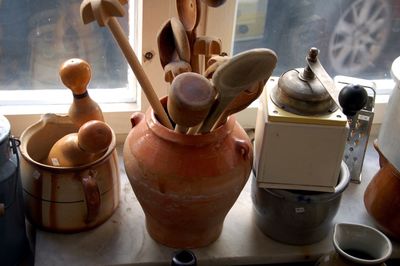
(207, 46)
(166, 44)
(182, 45)
(244, 99)
(189, 12)
(86, 146)
(75, 73)
(104, 12)
(237, 75)
(214, 3)
(173, 69)
(213, 63)
(189, 100)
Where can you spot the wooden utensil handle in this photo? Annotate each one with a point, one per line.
(141, 76)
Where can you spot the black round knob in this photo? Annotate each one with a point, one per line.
(183, 258)
(352, 98)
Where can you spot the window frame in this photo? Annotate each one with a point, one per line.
(151, 15)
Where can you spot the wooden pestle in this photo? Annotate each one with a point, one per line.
(75, 73)
(189, 100)
(86, 146)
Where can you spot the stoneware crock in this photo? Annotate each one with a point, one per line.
(357, 244)
(186, 184)
(66, 199)
(297, 217)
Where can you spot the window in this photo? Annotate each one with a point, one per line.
(356, 38)
(41, 37)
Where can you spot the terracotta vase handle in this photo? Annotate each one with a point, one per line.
(92, 195)
(243, 148)
(136, 118)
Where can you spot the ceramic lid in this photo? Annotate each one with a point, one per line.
(4, 129)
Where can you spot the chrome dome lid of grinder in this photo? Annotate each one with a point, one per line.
(306, 91)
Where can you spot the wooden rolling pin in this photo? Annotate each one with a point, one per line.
(75, 73)
(84, 147)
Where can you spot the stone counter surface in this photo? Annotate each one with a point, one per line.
(123, 239)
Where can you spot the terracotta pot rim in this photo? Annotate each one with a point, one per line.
(192, 140)
(58, 169)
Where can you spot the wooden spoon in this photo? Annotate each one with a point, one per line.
(182, 45)
(189, 100)
(244, 99)
(237, 75)
(189, 12)
(166, 44)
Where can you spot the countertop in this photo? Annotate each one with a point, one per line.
(123, 239)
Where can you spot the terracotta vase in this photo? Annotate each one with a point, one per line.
(66, 199)
(186, 184)
(382, 197)
(357, 244)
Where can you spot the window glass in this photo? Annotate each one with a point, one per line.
(36, 37)
(357, 38)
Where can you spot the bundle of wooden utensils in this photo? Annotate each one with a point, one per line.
(200, 98)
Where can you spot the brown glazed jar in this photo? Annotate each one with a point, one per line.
(186, 184)
(382, 197)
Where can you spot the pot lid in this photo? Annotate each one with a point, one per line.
(4, 129)
(302, 93)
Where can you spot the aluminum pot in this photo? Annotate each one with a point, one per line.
(66, 199)
(13, 240)
(294, 216)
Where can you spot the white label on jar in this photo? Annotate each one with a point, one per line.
(299, 210)
(363, 117)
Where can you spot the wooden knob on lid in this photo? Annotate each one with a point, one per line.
(190, 98)
(94, 136)
(75, 73)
